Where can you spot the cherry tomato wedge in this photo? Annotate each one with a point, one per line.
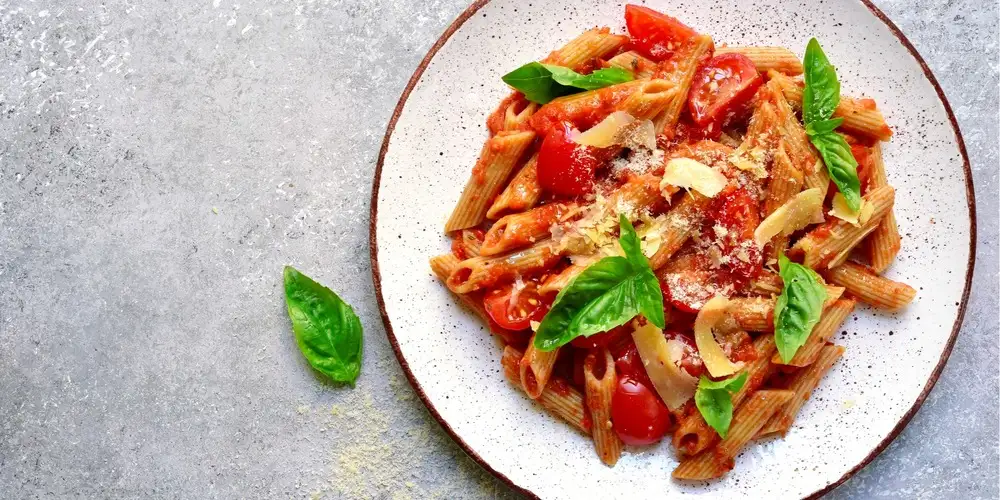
(602, 339)
(637, 414)
(516, 338)
(735, 212)
(721, 90)
(684, 282)
(565, 167)
(516, 311)
(629, 364)
(654, 34)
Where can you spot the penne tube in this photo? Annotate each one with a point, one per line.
(871, 288)
(536, 368)
(522, 193)
(650, 100)
(580, 108)
(677, 227)
(828, 324)
(819, 178)
(747, 421)
(640, 193)
(468, 242)
(796, 141)
(802, 384)
(884, 242)
(767, 58)
(560, 280)
(680, 70)
(592, 44)
(860, 117)
(756, 314)
(599, 381)
(520, 230)
(829, 245)
(499, 157)
(693, 434)
(558, 398)
(784, 183)
(442, 266)
(640, 67)
(484, 272)
(768, 283)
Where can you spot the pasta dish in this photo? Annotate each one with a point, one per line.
(665, 234)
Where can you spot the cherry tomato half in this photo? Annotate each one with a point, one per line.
(637, 414)
(654, 34)
(516, 311)
(735, 210)
(602, 339)
(683, 282)
(565, 167)
(629, 364)
(721, 90)
(690, 361)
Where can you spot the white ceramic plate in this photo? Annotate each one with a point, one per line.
(891, 362)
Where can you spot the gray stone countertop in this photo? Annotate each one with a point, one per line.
(160, 162)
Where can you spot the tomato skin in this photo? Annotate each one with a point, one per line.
(602, 339)
(637, 414)
(629, 364)
(520, 314)
(735, 210)
(511, 337)
(721, 91)
(565, 167)
(654, 34)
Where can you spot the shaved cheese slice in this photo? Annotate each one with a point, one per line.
(803, 209)
(674, 385)
(607, 133)
(643, 134)
(716, 362)
(840, 210)
(692, 174)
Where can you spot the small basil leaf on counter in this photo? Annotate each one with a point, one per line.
(715, 401)
(798, 308)
(326, 328)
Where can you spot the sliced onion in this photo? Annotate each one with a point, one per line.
(803, 209)
(674, 385)
(692, 174)
(716, 362)
(607, 133)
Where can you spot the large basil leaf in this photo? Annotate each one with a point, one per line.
(326, 328)
(822, 93)
(798, 307)
(714, 401)
(605, 295)
(543, 82)
(840, 164)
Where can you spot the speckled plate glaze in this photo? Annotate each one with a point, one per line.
(892, 361)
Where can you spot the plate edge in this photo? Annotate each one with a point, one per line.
(896, 430)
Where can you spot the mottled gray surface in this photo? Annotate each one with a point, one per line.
(159, 163)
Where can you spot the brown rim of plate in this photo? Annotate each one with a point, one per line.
(377, 276)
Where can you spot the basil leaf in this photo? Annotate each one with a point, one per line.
(715, 401)
(822, 93)
(841, 165)
(326, 328)
(543, 82)
(798, 307)
(605, 295)
(823, 126)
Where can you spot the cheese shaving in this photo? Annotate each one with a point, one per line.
(674, 385)
(716, 362)
(608, 132)
(803, 209)
(692, 174)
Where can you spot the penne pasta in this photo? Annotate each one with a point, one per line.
(559, 398)
(884, 242)
(859, 118)
(640, 67)
(500, 155)
(829, 245)
(523, 229)
(829, 322)
(592, 44)
(558, 281)
(599, 381)
(521, 194)
(802, 384)
(767, 59)
(693, 434)
(756, 314)
(677, 227)
(679, 70)
(747, 420)
(483, 272)
(442, 266)
(871, 288)
(536, 368)
(819, 178)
